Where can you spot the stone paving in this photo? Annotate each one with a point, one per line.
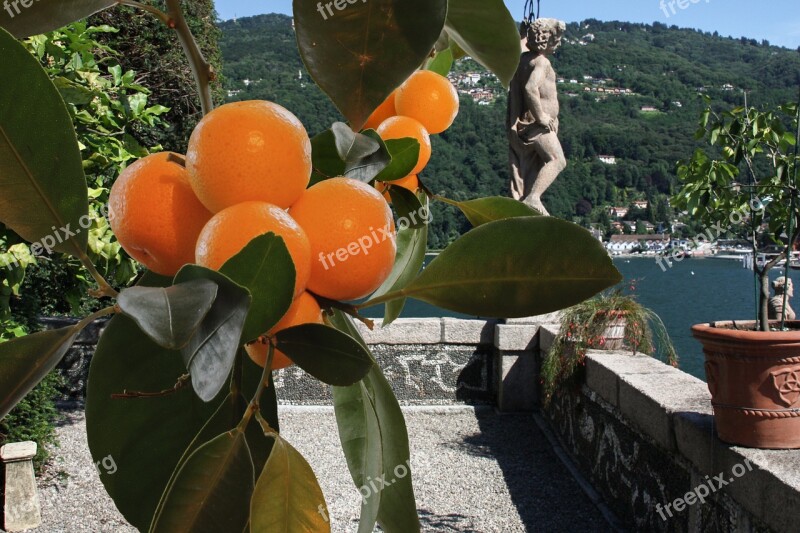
(474, 471)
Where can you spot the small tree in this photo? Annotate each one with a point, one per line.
(752, 184)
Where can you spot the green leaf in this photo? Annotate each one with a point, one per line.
(366, 157)
(325, 158)
(25, 361)
(144, 438)
(47, 15)
(485, 210)
(441, 63)
(226, 418)
(265, 268)
(405, 154)
(412, 243)
(408, 207)
(374, 438)
(170, 316)
(326, 353)
(287, 496)
(487, 32)
(41, 171)
(360, 53)
(515, 268)
(212, 490)
(210, 353)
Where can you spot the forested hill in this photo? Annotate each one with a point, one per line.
(627, 90)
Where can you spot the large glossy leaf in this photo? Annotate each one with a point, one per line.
(265, 268)
(210, 353)
(486, 31)
(146, 438)
(212, 491)
(42, 16)
(358, 53)
(326, 353)
(287, 496)
(143, 437)
(25, 361)
(484, 210)
(412, 243)
(374, 438)
(225, 419)
(170, 315)
(515, 268)
(44, 193)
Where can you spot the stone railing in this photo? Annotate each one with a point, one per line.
(642, 432)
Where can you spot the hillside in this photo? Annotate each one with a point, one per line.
(628, 91)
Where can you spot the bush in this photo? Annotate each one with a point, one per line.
(34, 419)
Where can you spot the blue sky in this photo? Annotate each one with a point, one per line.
(775, 20)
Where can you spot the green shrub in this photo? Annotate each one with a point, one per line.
(34, 419)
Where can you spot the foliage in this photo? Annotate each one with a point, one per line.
(34, 418)
(178, 342)
(587, 326)
(748, 182)
(146, 46)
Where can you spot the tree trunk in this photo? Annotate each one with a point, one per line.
(763, 300)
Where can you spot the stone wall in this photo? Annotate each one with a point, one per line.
(642, 433)
(427, 361)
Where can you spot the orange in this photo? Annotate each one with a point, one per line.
(230, 230)
(155, 215)
(304, 310)
(409, 182)
(249, 151)
(352, 236)
(401, 127)
(430, 98)
(384, 111)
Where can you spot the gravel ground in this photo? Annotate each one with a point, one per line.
(478, 472)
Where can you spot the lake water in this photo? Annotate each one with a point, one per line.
(691, 292)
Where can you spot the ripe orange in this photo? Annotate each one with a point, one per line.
(400, 127)
(352, 236)
(230, 230)
(384, 111)
(430, 98)
(304, 310)
(249, 151)
(155, 215)
(409, 182)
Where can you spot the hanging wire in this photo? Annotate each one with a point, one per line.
(790, 246)
(529, 14)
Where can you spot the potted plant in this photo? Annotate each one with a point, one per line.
(751, 366)
(610, 321)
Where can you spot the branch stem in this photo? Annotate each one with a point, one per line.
(144, 7)
(203, 71)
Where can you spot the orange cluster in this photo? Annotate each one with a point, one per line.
(426, 104)
(245, 174)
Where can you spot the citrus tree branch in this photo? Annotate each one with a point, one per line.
(203, 71)
(144, 7)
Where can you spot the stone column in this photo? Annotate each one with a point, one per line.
(21, 506)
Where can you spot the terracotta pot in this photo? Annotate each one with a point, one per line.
(614, 334)
(754, 379)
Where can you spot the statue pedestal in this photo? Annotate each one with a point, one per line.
(21, 505)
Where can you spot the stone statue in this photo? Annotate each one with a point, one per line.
(536, 155)
(776, 310)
